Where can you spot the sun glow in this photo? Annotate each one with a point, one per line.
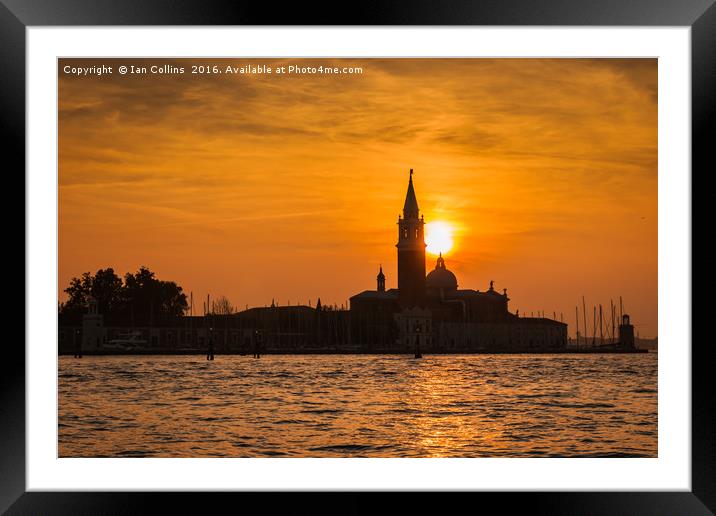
(438, 237)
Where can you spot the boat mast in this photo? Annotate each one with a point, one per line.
(613, 312)
(584, 313)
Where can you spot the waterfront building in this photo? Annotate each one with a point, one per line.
(447, 318)
(426, 312)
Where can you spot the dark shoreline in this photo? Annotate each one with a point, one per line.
(156, 352)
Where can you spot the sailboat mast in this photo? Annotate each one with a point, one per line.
(584, 313)
(614, 308)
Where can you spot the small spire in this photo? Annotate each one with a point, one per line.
(492, 285)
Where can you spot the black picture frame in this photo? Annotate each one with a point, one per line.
(17, 15)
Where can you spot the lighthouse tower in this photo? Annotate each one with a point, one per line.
(411, 250)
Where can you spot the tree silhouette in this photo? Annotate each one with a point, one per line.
(150, 298)
(78, 293)
(141, 297)
(105, 287)
(222, 306)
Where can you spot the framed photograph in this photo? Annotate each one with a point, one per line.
(420, 249)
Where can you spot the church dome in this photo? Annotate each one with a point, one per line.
(440, 277)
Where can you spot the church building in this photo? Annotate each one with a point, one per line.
(430, 313)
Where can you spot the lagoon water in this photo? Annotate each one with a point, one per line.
(359, 406)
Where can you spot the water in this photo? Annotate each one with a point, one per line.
(359, 406)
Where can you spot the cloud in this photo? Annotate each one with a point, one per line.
(526, 156)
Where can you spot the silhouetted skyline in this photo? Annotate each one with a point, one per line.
(261, 188)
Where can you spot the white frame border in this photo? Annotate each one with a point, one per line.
(670, 471)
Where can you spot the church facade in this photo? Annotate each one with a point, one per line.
(429, 313)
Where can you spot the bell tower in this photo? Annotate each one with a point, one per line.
(411, 249)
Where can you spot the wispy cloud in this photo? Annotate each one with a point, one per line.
(537, 162)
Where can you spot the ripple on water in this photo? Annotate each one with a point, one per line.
(367, 406)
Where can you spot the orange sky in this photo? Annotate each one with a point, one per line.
(289, 187)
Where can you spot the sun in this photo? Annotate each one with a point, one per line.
(438, 237)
